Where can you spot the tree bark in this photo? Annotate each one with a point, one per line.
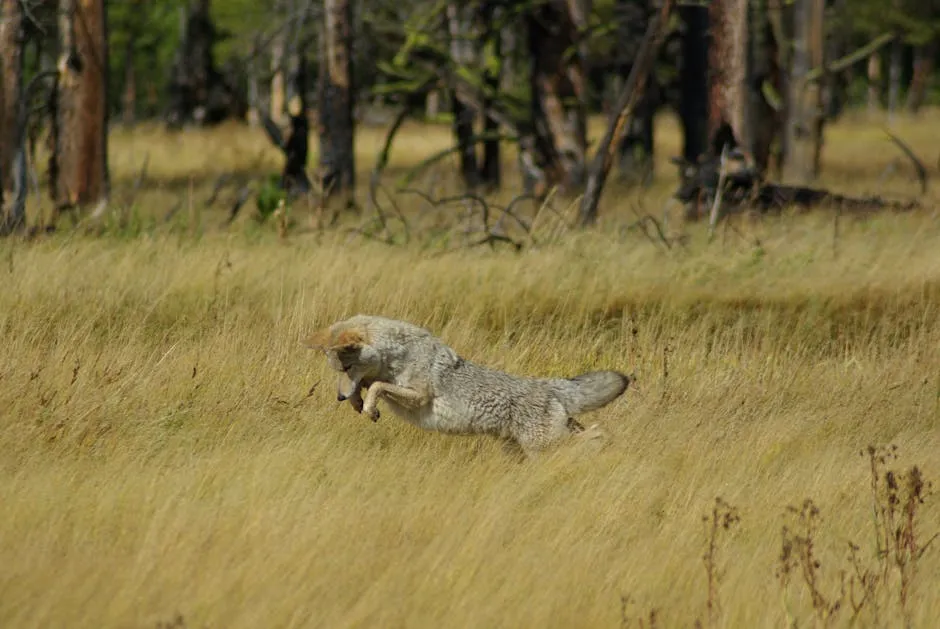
(337, 159)
(129, 97)
(12, 41)
(636, 148)
(727, 57)
(79, 175)
(463, 115)
(197, 90)
(923, 72)
(762, 121)
(874, 82)
(297, 147)
(805, 106)
(557, 83)
(894, 79)
(693, 79)
(492, 62)
(278, 82)
(619, 119)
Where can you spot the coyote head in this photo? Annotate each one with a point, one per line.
(348, 351)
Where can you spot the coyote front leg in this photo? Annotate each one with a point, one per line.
(354, 395)
(400, 395)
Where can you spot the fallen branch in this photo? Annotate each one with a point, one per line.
(909, 152)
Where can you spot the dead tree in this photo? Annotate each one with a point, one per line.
(693, 80)
(492, 40)
(461, 55)
(78, 170)
(12, 41)
(198, 92)
(337, 158)
(804, 100)
(627, 101)
(763, 120)
(727, 62)
(636, 149)
(924, 59)
(557, 84)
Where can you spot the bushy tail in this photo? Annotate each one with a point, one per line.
(590, 391)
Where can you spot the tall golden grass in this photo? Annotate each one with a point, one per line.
(170, 455)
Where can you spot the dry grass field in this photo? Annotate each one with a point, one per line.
(170, 455)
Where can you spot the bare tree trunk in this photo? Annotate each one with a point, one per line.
(12, 42)
(727, 58)
(490, 169)
(923, 72)
(294, 176)
(197, 90)
(894, 79)
(432, 105)
(337, 159)
(278, 82)
(805, 123)
(463, 115)
(636, 148)
(763, 122)
(80, 173)
(693, 78)
(129, 97)
(874, 82)
(557, 86)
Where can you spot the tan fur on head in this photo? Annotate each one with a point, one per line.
(329, 339)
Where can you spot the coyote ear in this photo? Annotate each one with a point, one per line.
(319, 339)
(344, 339)
(349, 339)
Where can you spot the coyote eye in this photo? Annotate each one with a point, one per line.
(348, 357)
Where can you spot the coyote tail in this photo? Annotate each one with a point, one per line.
(590, 391)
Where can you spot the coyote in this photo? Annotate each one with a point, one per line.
(427, 384)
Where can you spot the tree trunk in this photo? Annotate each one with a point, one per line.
(636, 148)
(197, 91)
(129, 97)
(874, 82)
(294, 176)
(278, 82)
(432, 105)
(923, 72)
(12, 42)
(492, 63)
(693, 80)
(79, 175)
(463, 115)
(805, 107)
(557, 83)
(337, 160)
(894, 79)
(762, 121)
(727, 56)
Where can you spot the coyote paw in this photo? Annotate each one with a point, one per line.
(356, 403)
(372, 413)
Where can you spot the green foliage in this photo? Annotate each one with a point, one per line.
(270, 197)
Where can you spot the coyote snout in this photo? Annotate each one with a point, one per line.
(426, 383)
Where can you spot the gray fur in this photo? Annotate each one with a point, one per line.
(426, 383)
